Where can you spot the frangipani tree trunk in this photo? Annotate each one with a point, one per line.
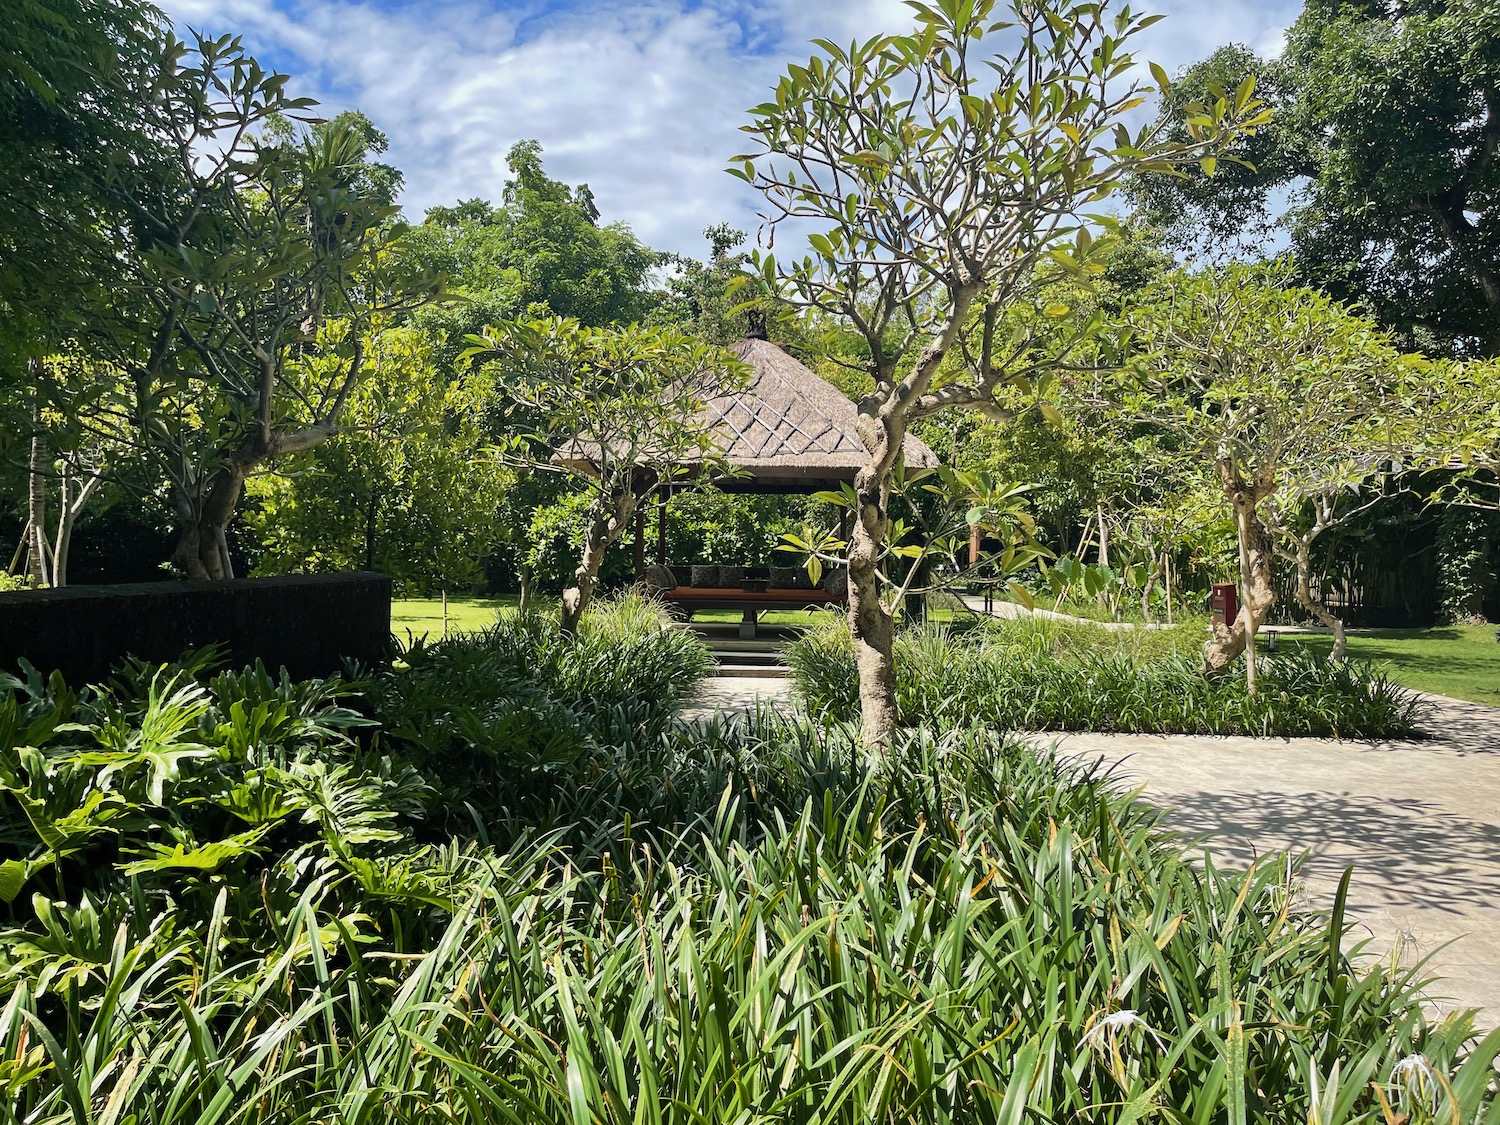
(870, 621)
(205, 500)
(38, 549)
(1317, 607)
(948, 176)
(1256, 594)
(607, 518)
(1256, 562)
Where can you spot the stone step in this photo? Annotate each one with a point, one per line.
(749, 659)
(734, 644)
(752, 672)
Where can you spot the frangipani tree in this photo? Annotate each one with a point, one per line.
(256, 260)
(1316, 501)
(618, 410)
(1261, 382)
(946, 176)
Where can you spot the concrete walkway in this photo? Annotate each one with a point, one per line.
(737, 695)
(1419, 822)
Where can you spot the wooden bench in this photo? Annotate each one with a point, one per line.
(751, 603)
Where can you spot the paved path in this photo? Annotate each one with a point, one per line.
(1419, 821)
(737, 695)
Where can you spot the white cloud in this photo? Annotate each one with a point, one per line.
(642, 100)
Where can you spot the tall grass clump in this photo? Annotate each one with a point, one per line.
(1066, 676)
(513, 719)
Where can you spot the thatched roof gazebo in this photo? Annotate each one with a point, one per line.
(790, 430)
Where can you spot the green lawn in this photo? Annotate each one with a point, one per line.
(1461, 662)
(424, 616)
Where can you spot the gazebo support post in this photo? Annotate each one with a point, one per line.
(640, 544)
(974, 552)
(661, 527)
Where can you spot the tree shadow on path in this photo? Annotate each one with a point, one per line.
(1409, 854)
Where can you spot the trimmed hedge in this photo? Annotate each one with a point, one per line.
(307, 624)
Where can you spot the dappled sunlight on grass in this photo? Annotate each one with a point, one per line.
(1458, 661)
(423, 617)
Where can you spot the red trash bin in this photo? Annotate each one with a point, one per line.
(1224, 603)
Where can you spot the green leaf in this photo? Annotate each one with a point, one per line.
(13, 875)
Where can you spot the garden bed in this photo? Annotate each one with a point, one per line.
(504, 885)
(1039, 675)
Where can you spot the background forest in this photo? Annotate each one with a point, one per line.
(228, 352)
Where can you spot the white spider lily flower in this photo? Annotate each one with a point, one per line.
(1114, 1024)
(1414, 1081)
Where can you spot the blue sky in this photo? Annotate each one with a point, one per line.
(643, 100)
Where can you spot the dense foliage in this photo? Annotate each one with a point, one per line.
(1046, 676)
(1466, 553)
(1384, 138)
(241, 900)
(412, 489)
(517, 721)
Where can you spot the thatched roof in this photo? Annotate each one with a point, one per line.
(787, 430)
(789, 427)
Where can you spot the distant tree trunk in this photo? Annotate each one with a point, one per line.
(36, 491)
(608, 517)
(1166, 573)
(1158, 565)
(1103, 598)
(1315, 606)
(71, 505)
(370, 529)
(1257, 594)
(20, 553)
(524, 574)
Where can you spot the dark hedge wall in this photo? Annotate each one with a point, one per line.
(307, 624)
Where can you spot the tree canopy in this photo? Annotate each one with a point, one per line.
(541, 252)
(70, 76)
(1384, 151)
